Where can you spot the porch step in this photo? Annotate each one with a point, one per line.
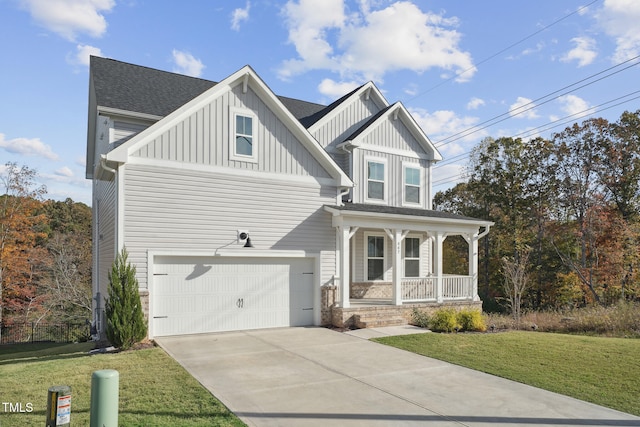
(377, 320)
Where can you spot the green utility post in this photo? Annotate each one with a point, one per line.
(59, 406)
(104, 398)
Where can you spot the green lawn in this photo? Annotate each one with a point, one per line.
(605, 371)
(154, 389)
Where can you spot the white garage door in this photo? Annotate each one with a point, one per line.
(192, 295)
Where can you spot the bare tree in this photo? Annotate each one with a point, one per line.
(516, 281)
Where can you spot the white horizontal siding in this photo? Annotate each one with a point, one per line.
(125, 130)
(205, 138)
(187, 210)
(104, 243)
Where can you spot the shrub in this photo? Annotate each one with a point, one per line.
(125, 321)
(472, 320)
(445, 320)
(420, 318)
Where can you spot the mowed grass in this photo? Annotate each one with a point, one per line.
(604, 371)
(154, 389)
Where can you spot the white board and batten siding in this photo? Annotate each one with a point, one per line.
(394, 184)
(347, 120)
(204, 138)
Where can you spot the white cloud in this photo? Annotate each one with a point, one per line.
(475, 103)
(523, 108)
(584, 51)
(68, 18)
(443, 124)
(574, 105)
(185, 63)
(27, 147)
(334, 89)
(82, 54)
(620, 18)
(368, 43)
(239, 15)
(64, 172)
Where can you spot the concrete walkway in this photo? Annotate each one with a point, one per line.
(319, 377)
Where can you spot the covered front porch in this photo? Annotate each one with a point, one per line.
(390, 260)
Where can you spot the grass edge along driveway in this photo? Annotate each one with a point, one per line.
(154, 388)
(604, 371)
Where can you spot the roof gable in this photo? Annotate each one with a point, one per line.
(247, 78)
(368, 90)
(394, 112)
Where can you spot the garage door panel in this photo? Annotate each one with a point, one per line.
(198, 295)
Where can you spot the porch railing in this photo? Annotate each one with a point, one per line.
(424, 288)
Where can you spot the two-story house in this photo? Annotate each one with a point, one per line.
(241, 209)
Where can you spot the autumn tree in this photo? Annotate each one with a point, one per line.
(22, 225)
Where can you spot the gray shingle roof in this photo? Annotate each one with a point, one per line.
(360, 207)
(146, 90)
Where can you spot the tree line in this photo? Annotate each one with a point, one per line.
(566, 210)
(45, 253)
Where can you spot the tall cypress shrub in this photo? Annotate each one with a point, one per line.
(125, 321)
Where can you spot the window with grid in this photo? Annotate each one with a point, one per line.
(244, 136)
(375, 258)
(375, 180)
(411, 257)
(412, 185)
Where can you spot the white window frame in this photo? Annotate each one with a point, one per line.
(366, 257)
(405, 166)
(385, 182)
(233, 155)
(404, 255)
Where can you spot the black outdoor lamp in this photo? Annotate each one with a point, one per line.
(245, 236)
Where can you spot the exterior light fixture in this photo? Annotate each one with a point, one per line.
(244, 235)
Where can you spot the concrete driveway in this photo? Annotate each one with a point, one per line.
(319, 377)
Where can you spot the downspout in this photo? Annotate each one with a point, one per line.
(340, 194)
(103, 165)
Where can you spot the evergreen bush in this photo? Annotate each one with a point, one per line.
(445, 320)
(420, 318)
(125, 322)
(472, 320)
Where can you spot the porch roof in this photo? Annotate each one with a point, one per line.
(403, 214)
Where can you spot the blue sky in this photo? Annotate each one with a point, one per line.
(454, 64)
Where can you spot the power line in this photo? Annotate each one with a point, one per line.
(555, 123)
(532, 104)
(503, 50)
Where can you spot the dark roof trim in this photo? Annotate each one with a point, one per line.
(393, 210)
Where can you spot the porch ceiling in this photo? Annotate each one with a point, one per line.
(380, 216)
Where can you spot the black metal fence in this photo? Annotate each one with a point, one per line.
(44, 332)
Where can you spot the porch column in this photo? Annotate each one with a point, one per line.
(438, 238)
(397, 236)
(344, 266)
(473, 265)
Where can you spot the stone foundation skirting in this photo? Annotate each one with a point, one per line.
(373, 290)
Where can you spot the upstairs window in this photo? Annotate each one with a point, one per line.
(243, 140)
(411, 257)
(412, 185)
(376, 180)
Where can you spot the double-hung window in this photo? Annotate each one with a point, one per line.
(243, 140)
(376, 180)
(412, 185)
(411, 257)
(375, 257)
